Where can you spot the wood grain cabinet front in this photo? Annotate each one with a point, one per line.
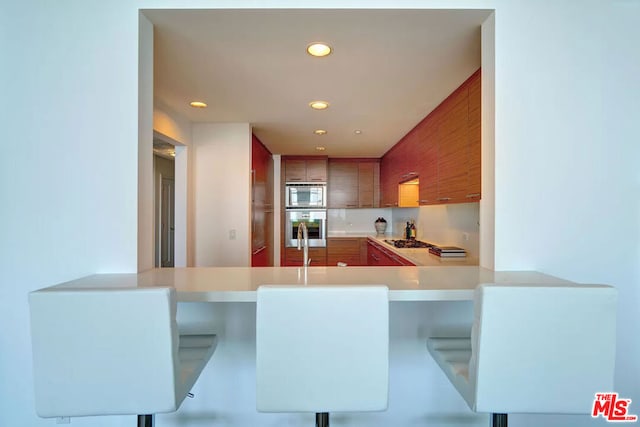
(345, 250)
(443, 151)
(369, 184)
(305, 169)
(378, 255)
(474, 185)
(262, 238)
(452, 149)
(353, 183)
(317, 257)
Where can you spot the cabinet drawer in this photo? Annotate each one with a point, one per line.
(293, 257)
(343, 245)
(344, 249)
(378, 255)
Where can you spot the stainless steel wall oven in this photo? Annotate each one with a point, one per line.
(316, 222)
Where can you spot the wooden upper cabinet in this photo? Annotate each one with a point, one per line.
(295, 170)
(343, 184)
(443, 151)
(353, 183)
(453, 143)
(369, 184)
(475, 135)
(388, 181)
(305, 170)
(428, 169)
(317, 170)
(395, 167)
(409, 154)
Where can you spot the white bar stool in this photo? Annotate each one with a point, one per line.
(322, 349)
(112, 351)
(533, 349)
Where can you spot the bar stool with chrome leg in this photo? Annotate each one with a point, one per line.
(322, 349)
(112, 352)
(533, 349)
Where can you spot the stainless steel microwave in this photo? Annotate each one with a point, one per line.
(306, 195)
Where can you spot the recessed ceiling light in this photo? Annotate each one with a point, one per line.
(357, 131)
(198, 104)
(320, 132)
(319, 105)
(318, 49)
(320, 148)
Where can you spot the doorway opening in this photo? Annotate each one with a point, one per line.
(164, 203)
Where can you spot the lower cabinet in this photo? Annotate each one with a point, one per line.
(353, 251)
(293, 257)
(347, 250)
(378, 255)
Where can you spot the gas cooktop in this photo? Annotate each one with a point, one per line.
(410, 244)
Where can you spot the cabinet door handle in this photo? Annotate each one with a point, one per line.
(444, 199)
(423, 201)
(367, 205)
(352, 206)
(257, 251)
(473, 195)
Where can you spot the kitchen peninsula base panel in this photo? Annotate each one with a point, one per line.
(225, 392)
(423, 301)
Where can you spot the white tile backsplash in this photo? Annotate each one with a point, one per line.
(357, 220)
(456, 224)
(400, 218)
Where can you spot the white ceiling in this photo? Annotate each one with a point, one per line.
(388, 70)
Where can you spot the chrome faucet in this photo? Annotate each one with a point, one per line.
(303, 241)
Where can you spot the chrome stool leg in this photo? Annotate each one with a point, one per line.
(498, 420)
(145, 420)
(322, 419)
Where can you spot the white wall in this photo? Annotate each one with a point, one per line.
(567, 177)
(171, 124)
(566, 184)
(69, 114)
(171, 127)
(221, 194)
(146, 199)
(488, 154)
(182, 207)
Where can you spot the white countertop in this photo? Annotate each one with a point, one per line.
(239, 284)
(418, 256)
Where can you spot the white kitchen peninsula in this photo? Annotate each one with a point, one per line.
(424, 301)
(239, 284)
